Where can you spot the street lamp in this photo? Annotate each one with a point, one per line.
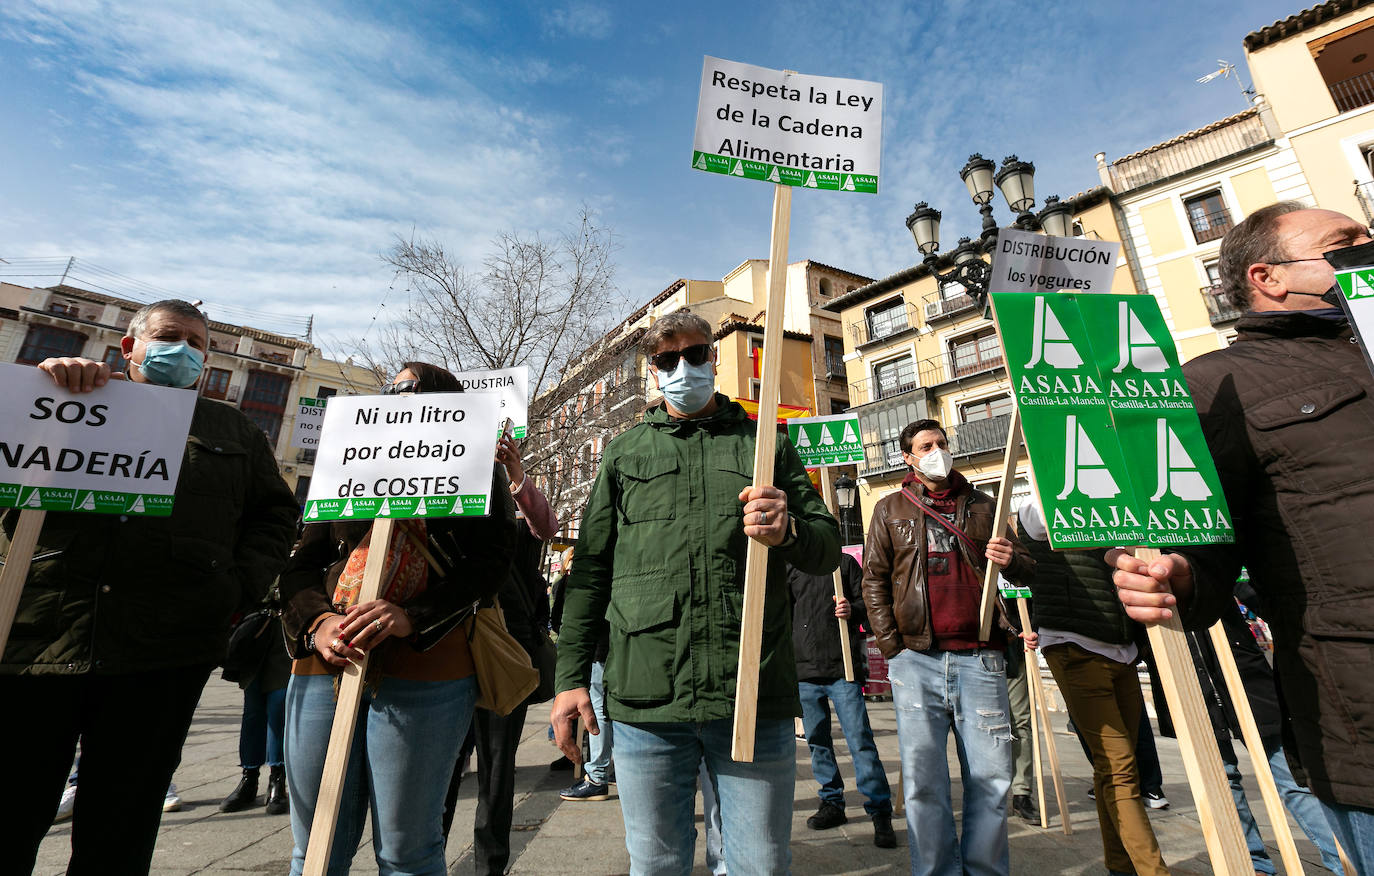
(846, 494)
(1016, 181)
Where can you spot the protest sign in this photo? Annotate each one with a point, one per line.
(511, 385)
(427, 455)
(1097, 383)
(117, 450)
(819, 132)
(309, 420)
(1026, 262)
(830, 440)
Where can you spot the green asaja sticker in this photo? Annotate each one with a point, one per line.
(1355, 284)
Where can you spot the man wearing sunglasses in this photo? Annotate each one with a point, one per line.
(661, 565)
(1288, 412)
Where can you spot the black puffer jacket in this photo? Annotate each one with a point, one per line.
(1288, 412)
(816, 630)
(1073, 592)
(117, 594)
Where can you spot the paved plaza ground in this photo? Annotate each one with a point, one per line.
(556, 837)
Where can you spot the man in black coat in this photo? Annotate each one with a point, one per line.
(821, 682)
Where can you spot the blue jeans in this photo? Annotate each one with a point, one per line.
(1307, 811)
(710, 819)
(599, 745)
(1354, 827)
(656, 773)
(848, 700)
(260, 731)
(404, 748)
(966, 691)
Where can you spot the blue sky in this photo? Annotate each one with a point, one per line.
(260, 154)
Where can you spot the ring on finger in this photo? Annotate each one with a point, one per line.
(377, 622)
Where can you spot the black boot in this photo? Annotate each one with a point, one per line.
(277, 803)
(243, 796)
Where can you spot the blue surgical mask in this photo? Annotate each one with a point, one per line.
(689, 388)
(171, 363)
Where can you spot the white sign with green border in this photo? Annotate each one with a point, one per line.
(424, 455)
(831, 440)
(817, 132)
(1114, 441)
(511, 385)
(116, 450)
(309, 421)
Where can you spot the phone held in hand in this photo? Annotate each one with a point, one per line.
(507, 427)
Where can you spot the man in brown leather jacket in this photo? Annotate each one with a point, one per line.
(923, 578)
(1288, 412)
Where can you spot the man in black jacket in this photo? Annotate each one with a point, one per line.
(123, 616)
(820, 674)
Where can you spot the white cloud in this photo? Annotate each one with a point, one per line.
(579, 19)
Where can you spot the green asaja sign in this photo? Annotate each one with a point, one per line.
(832, 440)
(1115, 445)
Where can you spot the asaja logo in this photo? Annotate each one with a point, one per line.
(1135, 344)
(1050, 344)
(1357, 284)
(1084, 470)
(1175, 470)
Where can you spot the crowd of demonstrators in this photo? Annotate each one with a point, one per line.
(924, 560)
(1287, 412)
(124, 617)
(661, 562)
(1089, 644)
(419, 693)
(820, 674)
(496, 738)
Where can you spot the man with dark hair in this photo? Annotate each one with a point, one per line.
(1288, 412)
(123, 617)
(928, 546)
(661, 566)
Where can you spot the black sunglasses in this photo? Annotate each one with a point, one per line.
(411, 385)
(667, 360)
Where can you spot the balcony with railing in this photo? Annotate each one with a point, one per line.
(933, 371)
(1353, 93)
(1223, 139)
(881, 457)
(938, 306)
(1364, 193)
(1220, 310)
(834, 366)
(884, 324)
(979, 436)
(1210, 225)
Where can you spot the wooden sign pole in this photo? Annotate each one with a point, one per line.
(1035, 747)
(330, 795)
(988, 608)
(1201, 760)
(1249, 731)
(828, 491)
(756, 560)
(1039, 705)
(16, 570)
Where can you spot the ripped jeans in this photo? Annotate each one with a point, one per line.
(934, 692)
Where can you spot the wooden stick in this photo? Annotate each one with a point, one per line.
(1249, 731)
(988, 608)
(828, 492)
(756, 560)
(345, 716)
(1035, 742)
(580, 765)
(1197, 744)
(1036, 685)
(1346, 864)
(16, 570)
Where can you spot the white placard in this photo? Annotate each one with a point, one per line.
(424, 455)
(818, 132)
(309, 423)
(1026, 262)
(116, 450)
(512, 385)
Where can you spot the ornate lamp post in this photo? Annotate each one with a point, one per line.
(846, 495)
(1016, 180)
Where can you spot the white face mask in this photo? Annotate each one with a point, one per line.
(936, 464)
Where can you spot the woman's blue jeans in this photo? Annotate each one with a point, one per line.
(260, 732)
(404, 748)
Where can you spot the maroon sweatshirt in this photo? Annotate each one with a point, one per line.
(954, 589)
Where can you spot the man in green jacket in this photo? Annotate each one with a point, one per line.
(661, 559)
(123, 617)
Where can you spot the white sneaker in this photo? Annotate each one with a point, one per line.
(64, 809)
(1155, 801)
(172, 803)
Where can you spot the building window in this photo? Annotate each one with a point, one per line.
(975, 353)
(46, 342)
(1208, 215)
(886, 319)
(985, 408)
(114, 357)
(893, 377)
(264, 401)
(834, 356)
(826, 290)
(216, 383)
(838, 406)
(326, 392)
